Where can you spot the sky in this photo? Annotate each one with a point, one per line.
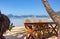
(27, 7)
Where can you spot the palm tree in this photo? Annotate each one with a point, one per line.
(4, 24)
(51, 12)
(11, 26)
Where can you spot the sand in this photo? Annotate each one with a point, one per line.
(19, 33)
(16, 33)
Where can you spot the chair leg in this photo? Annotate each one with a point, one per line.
(26, 35)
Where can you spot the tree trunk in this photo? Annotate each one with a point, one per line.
(52, 14)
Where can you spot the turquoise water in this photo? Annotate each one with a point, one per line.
(20, 21)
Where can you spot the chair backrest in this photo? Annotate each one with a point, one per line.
(39, 20)
(28, 26)
(44, 20)
(27, 21)
(45, 25)
(34, 20)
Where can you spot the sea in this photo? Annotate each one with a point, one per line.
(20, 21)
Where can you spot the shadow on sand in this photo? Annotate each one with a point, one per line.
(20, 35)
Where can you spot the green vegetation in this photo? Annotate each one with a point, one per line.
(11, 26)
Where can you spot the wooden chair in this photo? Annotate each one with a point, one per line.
(26, 26)
(29, 30)
(45, 30)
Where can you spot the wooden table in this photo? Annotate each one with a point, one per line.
(43, 26)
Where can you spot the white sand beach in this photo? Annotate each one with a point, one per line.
(19, 33)
(16, 33)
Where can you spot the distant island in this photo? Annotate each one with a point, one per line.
(25, 16)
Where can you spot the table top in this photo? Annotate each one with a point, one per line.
(41, 23)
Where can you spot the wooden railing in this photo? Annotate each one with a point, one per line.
(41, 30)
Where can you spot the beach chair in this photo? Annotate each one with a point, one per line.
(27, 21)
(45, 29)
(54, 31)
(41, 31)
(34, 20)
(29, 31)
(44, 20)
(34, 27)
